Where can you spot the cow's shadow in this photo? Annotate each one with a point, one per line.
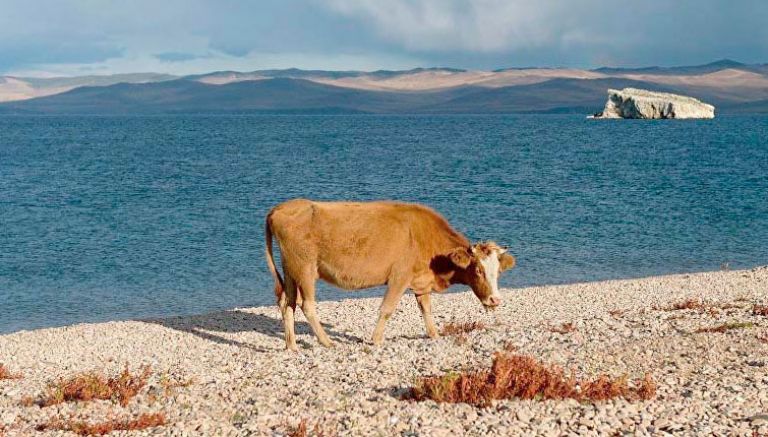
(210, 327)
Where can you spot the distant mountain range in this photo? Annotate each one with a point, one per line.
(729, 85)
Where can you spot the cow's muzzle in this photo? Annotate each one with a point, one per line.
(491, 302)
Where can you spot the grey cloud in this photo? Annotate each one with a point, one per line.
(15, 53)
(484, 34)
(177, 56)
(588, 32)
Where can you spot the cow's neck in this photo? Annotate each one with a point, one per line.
(442, 243)
(445, 272)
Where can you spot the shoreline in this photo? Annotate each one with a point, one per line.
(354, 295)
(242, 382)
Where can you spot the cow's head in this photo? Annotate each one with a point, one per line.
(479, 267)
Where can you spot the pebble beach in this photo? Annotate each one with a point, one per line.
(227, 373)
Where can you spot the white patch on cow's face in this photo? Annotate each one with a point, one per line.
(492, 268)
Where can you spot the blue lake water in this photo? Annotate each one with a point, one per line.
(111, 218)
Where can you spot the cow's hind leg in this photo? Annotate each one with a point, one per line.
(287, 305)
(425, 304)
(388, 304)
(309, 307)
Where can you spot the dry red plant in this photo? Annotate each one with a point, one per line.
(712, 309)
(508, 347)
(688, 304)
(169, 385)
(5, 373)
(726, 327)
(302, 430)
(461, 328)
(143, 421)
(760, 310)
(89, 386)
(727, 306)
(617, 313)
(524, 377)
(565, 328)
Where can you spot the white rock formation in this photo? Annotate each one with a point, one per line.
(637, 103)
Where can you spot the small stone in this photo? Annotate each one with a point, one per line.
(8, 418)
(523, 416)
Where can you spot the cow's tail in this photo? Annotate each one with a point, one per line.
(279, 285)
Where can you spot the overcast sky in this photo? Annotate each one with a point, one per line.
(76, 37)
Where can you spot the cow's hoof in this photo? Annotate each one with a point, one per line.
(327, 344)
(433, 334)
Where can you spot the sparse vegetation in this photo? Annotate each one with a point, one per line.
(89, 386)
(459, 331)
(727, 306)
(169, 384)
(302, 430)
(565, 328)
(143, 421)
(698, 305)
(509, 347)
(617, 313)
(760, 310)
(524, 377)
(6, 373)
(688, 304)
(726, 327)
(461, 328)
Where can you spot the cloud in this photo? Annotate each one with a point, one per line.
(15, 52)
(178, 56)
(481, 25)
(584, 32)
(183, 36)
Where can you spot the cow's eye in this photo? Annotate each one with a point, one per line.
(478, 270)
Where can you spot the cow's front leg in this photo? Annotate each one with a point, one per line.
(425, 304)
(388, 305)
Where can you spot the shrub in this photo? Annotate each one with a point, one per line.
(169, 384)
(688, 304)
(143, 421)
(760, 310)
(617, 313)
(461, 328)
(565, 328)
(302, 430)
(89, 386)
(524, 377)
(701, 306)
(5, 373)
(726, 327)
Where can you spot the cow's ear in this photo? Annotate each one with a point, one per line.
(506, 261)
(461, 257)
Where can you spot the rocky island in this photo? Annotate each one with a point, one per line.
(637, 103)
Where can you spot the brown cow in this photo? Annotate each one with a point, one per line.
(362, 245)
